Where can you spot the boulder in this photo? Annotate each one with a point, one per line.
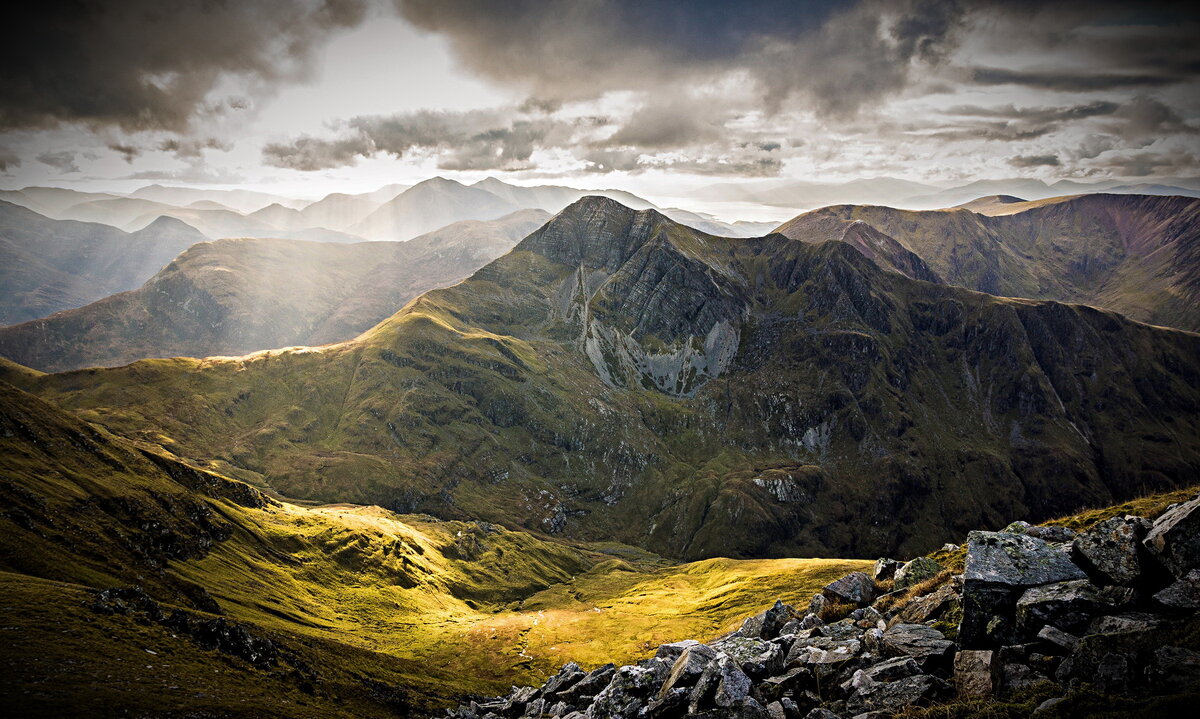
(892, 669)
(1058, 638)
(931, 606)
(1175, 538)
(844, 629)
(754, 656)
(1128, 622)
(1066, 605)
(816, 605)
(769, 624)
(790, 682)
(1174, 669)
(910, 691)
(1000, 567)
(922, 643)
(688, 667)
(884, 570)
(589, 686)
(625, 694)
(821, 713)
(723, 684)
(976, 673)
(671, 652)
(1051, 533)
(1183, 594)
(1110, 550)
(916, 571)
(565, 678)
(672, 703)
(854, 588)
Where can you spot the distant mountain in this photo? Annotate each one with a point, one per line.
(231, 297)
(1137, 255)
(51, 265)
(126, 213)
(239, 200)
(711, 225)
(429, 205)
(801, 195)
(620, 376)
(553, 198)
(338, 211)
(51, 201)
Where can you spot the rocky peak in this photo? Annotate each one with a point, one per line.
(595, 232)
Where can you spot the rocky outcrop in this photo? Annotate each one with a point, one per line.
(1046, 621)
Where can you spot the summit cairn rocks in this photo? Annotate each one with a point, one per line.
(1092, 611)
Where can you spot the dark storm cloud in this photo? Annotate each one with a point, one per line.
(1038, 115)
(836, 55)
(1035, 161)
(64, 161)
(187, 149)
(146, 64)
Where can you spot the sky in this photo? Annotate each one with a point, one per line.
(307, 97)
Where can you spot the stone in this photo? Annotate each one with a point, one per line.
(910, 691)
(1113, 674)
(791, 682)
(1128, 622)
(535, 708)
(872, 640)
(817, 605)
(1051, 533)
(923, 643)
(1066, 605)
(884, 569)
(1183, 594)
(976, 673)
(565, 678)
(821, 713)
(769, 623)
(589, 686)
(999, 568)
(892, 669)
(1175, 538)
(811, 620)
(722, 684)
(1174, 669)
(754, 656)
(688, 667)
(843, 629)
(950, 547)
(1053, 635)
(854, 588)
(1015, 677)
(1047, 706)
(1018, 527)
(671, 652)
(931, 606)
(775, 710)
(672, 703)
(791, 628)
(1110, 550)
(916, 571)
(624, 696)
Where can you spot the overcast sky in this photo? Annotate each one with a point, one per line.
(346, 95)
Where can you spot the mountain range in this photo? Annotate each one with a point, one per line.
(1135, 254)
(232, 297)
(51, 265)
(621, 376)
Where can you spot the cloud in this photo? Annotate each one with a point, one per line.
(9, 160)
(143, 65)
(1035, 161)
(1068, 81)
(836, 57)
(63, 161)
(188, 149)
(128, 151)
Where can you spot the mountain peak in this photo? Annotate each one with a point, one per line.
(594, 231)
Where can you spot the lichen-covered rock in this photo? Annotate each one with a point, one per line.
(884, 569)
(930, 606)
(999, 568)
(688, 667)
(589, 686)
(1051, 533)
(922, 643)
(976, 673)
(910, 691)
(1175, 537)
(855, 588)
(1066, 605)
(755, 657)
(723, 684)
(1183, 593)
(769, 624)
(671, 652)
(916, 571)
(564, 679)
(625, 694)
(1110, 550)
(1058, 638)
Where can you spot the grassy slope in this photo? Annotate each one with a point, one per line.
(359, 594)
(955, 410)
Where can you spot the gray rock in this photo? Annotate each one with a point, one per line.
(1066, 605)
(811, 620)
(1015, 677)
(1110, 549)
(624, 696)
(949, 547)
(688, 667)
(754, 656)
(916, 571)
(885, 569)
(923, 643)
(1047, 706)
(823, 651)
(535, 708)
(976, 673)
(723, 684)
(999, 568)
(791, 628)
(910, 691)
(816, 605)
(854, 588)
(672, 703)
(1175, 538)
(843, 629)
(1183, 594)
(872, 640)
(821, 713)
(1113, 674)
(1018, 527)
(1128, 622)
(589, 686)
(565, 678)
(790, 682)
(930, 606)
(1051, 533)
(769, 623)
(1174, 669)
(892, 669)
(1058, 637)
(775, 710)
(672, 651)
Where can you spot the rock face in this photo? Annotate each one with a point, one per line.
(1000, 567)
(1175, 538)
(1046, 621)
(916, 571)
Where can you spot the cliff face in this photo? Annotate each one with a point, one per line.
(619, 376)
